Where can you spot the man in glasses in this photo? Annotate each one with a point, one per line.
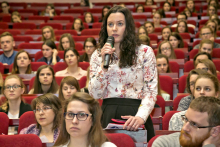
(5, 7)
(201, 126)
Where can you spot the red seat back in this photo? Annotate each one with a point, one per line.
(161, 102)
(182, 83)
(4, 123)
(152, 141)
(177, 100)
(2, 68)
(3, 25)
(174, 67)
(166, 119)
(90, 32)
(30, 46)
(120, 139)
(34, 66)
(166, 84)
(26, 120)
(193, 53)
(188, 66)
(57, 26)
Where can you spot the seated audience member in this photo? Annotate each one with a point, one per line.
(144, 39)
(48, 33)
(149, 27)
(202, 129)
(213, 25)
(211, 10)
(149, 2)
(190, 81)
(66, 41)
(201, 56)
(166, 49)
(172, 2)
(16, 17)
(182, 27)
(88, 17)
(1, 83)
(206, 65)
(187, 12)
(13, 88)
(78, 25)
(156, 20)
(162, 13)
(182, 17)
(5, 7)
(7, 45)
(206, 46)
(207, 33)
(205, 85)
(22, 63)
(215, 3)
(166, 7)
(191, 6)
(105, 10)
(142, 31)
(140, 8)
(84, 3)
(48, 111)
(176, 40)
(89, 46)
(45, 81)
(84, 113)
(49, 11)
(163, 64)
(216, 19)
(71, 57)
(161, 92)
(68, 86)
(166, 31)
(49, 53)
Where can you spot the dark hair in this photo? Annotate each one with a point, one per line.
(182, 13)
(70, 38)
(178, 37)
(129, 43)
(50, 43)
(168, 4)
(202, 53)
(53, 101)
(37, 85)
(162, 13)
(85, 57)
(193, 6)
(139, 5)
(15, 69)
(149, 22)
(52, 33)
(74, 51)
(96, 135)
(211, 105)
(52, 7)
(166, 28)
(69, 80)
(82, 26)
(186, 31)
(187, 9)
(142, 27)
(159, 56)
(90, 15)
(193, 72)
(217, 4)
(104, 7)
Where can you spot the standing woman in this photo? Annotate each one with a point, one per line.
(129, 85)
(45, 81)
(22, 63)
(48, 33)
(66, 41)
(89, 47)
(13, 88)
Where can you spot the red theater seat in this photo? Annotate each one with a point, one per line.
(95, 18)
(166, 83)
(177, 100)
(182, 83)
(34, 66)
(121, 140)
(166, 119)
(4, 124)
(26, 120)
(97, 25)
(13, 32)
(23, 38)
(36, 17)
(1, 68)
(33, 11)
(61, 32)
(24, 25)
(90, 32)
(74, 11)
(3, 25)
(70, 18)
(30, 46)
(57, 26)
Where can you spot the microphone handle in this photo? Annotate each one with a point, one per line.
(106, 61)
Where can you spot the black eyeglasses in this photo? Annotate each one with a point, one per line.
(14, 87)
(193, 124)
(81, 116)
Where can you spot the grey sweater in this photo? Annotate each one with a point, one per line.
(171, 140)
(216, 45)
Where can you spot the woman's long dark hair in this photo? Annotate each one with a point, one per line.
(129, 43)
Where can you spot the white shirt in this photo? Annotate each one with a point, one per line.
(106, 144)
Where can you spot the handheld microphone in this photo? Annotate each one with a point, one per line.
(111, 41)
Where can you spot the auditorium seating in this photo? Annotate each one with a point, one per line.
(4, 124)
(166, 119)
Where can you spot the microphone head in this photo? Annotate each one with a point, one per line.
(111, 40)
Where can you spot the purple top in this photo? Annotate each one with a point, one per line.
(32, 129)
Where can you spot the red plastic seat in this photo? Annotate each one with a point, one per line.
(1, 67)
(23, 38)
(95, 18)
(36, 17)
(181, 8)
(39, 4)
(62, 5)
(153, 37)
(178, 52)
(95, 10)
(202, 22)
(34, 66)
(30, 140)
(182, 82)
(137, 24)
(158, 30)
(97, 25)
(17, 4)
(70, 18)
(33, 11)
(4, 124)
(24, 25)
(152, 141)
(120, 139)
(81, 38)
(177, 100)
(217, 64)
(196, 42)
(62, 65)
(30, 46)
(174, 67)
(86, 26)
(166, 119)
(74, 11)
(139, 17)
(57, 26)
(33, 32)
(3, 25)
(161, 102)
(61, 32)
(166, 83)
(13, 32)
(216, 53)
(82, 82)
(185, 36)
(90, 32)
(188, 66)
(39, 55)
(193, 53)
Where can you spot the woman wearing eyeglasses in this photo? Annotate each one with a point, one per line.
(166, 49)
(48, 111)
(205, 85)
(13, 88)
(81, 123)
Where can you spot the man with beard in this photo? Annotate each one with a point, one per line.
(201, 126)
(7, 44)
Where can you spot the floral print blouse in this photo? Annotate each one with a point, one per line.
(137, 82)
